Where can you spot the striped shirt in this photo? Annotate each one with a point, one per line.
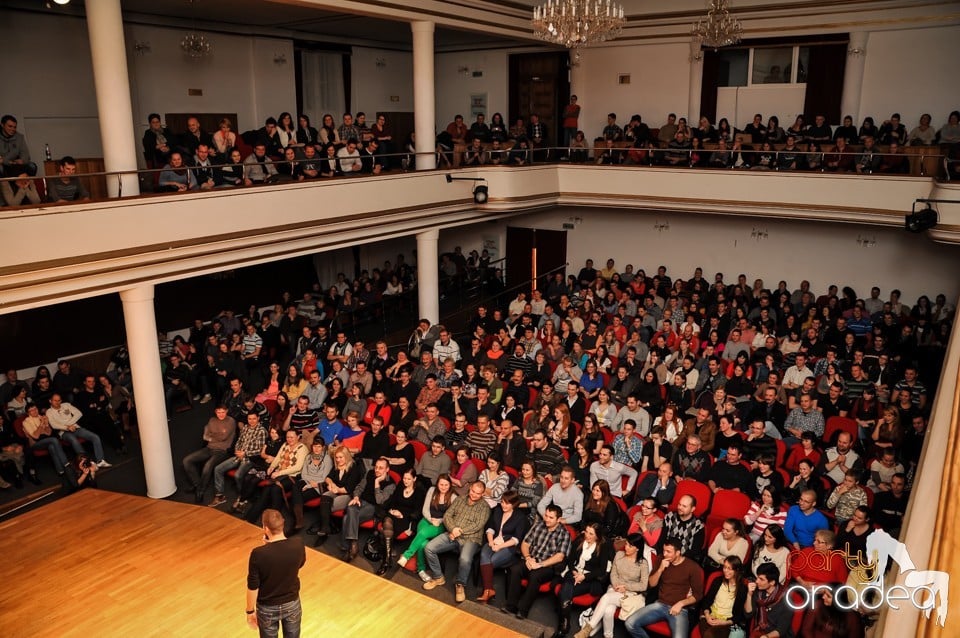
(251, 342)
(482, 443)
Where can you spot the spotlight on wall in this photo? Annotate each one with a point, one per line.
(279, 59)
(919, 221)
(481, 192)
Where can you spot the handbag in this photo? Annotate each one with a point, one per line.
(631, 603)
(736, 631)
(373, 548)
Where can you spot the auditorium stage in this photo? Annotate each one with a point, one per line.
(100, 563)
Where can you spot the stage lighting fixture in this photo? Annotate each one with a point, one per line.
(481, 192)
(921, 220)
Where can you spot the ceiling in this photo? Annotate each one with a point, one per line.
(484, 24)
(303, 22)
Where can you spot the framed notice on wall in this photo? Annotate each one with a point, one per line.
(478, 104)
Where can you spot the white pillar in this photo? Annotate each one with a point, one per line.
(578, 88)
(428, 274)
(141, 323)
(853, 76)
(105, 27)
(424, 98)
(696, 84)
(577, 74)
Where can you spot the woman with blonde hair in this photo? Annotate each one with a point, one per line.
(224, 139)
(342, 480)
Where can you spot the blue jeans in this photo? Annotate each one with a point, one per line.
(655, 612)
(220, 472)
(52, 445)
(270, 617)
(73, 438)
(441, 545)
(499, 559)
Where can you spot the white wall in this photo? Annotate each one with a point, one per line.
(659, 84)
(239, 77)
(911, 72)
(56, 101)
(48, 84)
(454, 87)
(738, 104)
(824, 254)
(372, 87)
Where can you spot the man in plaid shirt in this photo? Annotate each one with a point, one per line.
(544, 550)
(249, 444)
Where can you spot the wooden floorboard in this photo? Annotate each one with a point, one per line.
(100, 563)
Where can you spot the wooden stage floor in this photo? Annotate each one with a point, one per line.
(106, 564)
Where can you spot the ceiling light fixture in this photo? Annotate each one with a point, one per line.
(576, 23)
(196, 45)
(718, 28)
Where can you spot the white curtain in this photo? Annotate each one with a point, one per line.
(322, 85)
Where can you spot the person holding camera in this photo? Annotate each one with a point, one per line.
(82, 473)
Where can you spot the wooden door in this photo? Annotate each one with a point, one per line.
(549, 247)
(540, 83)
(401, 125)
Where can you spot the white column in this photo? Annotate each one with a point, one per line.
(428, 274)
(853, 76)
(105, 27)
(696, 84)
(141, 323)
(577, 73)
(424, 98)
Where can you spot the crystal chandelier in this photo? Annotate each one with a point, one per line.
(196, 45)
(576, 23)
(718, 28)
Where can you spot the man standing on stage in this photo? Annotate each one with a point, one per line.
(273, 582)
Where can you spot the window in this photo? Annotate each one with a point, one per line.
(763, 65)
(772, 65)
(734, 67)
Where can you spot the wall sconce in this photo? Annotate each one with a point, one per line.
(759, 233)
(857, 52)
(381, 63)
(695, 57)
(463, 70)
(141, 48)
(660, 226)
(866, 242)
(279, 59)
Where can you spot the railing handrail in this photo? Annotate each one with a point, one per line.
(621, 149)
